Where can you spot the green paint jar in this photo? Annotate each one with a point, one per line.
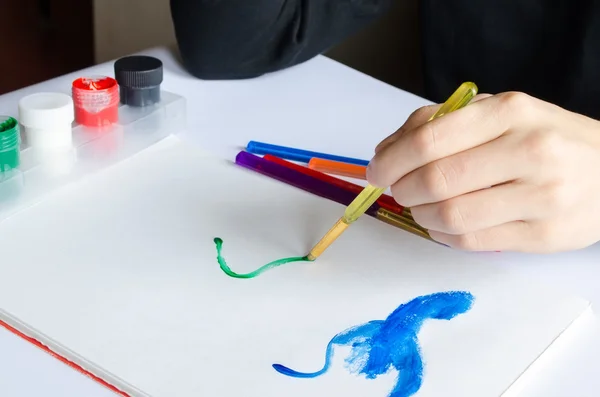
(10, 142)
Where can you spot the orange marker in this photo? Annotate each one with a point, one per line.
(338, 168)
(384, 200)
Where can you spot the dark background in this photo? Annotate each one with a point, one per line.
(42, 39)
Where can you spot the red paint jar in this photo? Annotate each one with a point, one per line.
(96, 101)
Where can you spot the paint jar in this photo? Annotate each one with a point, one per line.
(46, 118)
(96, 101)
(139, 79)
(10, 142)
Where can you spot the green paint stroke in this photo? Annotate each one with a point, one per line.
(260, 270)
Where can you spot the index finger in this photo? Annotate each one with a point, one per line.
(418, 117)
(463, 129)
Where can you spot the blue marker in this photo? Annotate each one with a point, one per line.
(292, 154)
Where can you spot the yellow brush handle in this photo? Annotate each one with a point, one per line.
(460, 98)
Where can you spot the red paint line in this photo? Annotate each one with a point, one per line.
(63, 359)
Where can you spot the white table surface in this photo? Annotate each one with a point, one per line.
(325, 106)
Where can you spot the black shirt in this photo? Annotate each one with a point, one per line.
(547, 48)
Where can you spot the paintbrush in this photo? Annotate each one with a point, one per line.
(460, 98)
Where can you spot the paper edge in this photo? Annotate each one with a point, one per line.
(55, 348)
(552, 350)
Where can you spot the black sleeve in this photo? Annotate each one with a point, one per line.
(235, 39)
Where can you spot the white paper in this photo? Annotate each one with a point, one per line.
(119, 273)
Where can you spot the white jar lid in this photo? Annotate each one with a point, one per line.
(46, 110)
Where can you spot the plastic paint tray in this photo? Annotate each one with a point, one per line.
(93, 150)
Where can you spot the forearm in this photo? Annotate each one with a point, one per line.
(233, 39)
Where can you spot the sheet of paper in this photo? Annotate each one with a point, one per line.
(119, 273)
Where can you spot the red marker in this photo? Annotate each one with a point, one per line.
(384, 201)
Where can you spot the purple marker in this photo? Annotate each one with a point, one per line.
(299, 180)
(325, 190)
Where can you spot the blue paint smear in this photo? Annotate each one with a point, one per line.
(379, 345)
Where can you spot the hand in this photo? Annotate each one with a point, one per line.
(508, 172)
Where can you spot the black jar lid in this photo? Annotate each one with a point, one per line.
(139, 71)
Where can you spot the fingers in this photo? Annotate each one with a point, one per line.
(418, 117)
(481, 210)
(465, 172)
(471, 126)
(513, 236)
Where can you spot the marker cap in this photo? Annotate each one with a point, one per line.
(139, 79)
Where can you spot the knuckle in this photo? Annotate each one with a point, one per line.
(517, 103)
(557, 197)
(436, 181)
(451, 218)
(543, 146)
(424, 141)
(548, 233)
(467, 242)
